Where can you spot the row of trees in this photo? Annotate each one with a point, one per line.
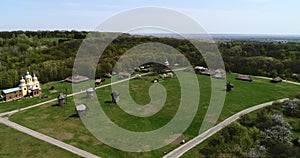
(44, 34)
(266, 59)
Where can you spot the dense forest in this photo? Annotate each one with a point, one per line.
(50, 55)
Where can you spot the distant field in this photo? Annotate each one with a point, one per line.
(17, 144)
(60, 123)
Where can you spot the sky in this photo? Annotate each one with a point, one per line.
(215, 16)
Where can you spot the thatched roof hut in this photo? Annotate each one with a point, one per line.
(145, 70)
(206, 72)
(199, 69)
(76, 79)
(98, 81)
(122, 75)
(107, 75)
(276, 80)
(219, 74)
(244, 78)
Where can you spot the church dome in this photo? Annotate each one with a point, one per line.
(34, 77)
(22, 80)
(30, 84)
(28, 75)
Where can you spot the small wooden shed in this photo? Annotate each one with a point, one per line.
(61, 99)
(81, 110)
(90, 92)
(229, 87)
(115, 97)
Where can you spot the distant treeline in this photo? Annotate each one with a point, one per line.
(50, 55)
(266, 59)
(45, 34)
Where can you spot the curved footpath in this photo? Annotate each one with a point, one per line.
(200, 138)
(47, 139)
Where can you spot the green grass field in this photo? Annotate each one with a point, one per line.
(60, 123)
(17, 144)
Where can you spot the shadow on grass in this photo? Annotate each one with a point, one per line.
(74, 115)
(108, 102)
(54, 105)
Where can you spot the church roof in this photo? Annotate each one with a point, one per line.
(28, 75)
(22, 85)
(30, 84)
(34, 77)
(22, 80)
(10, 90)
(35, 88)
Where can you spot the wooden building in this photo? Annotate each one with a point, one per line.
(76, 79)
(244, 78)
(115, 97)
(61, 99)
(12, 94)
(99, 81)
(123, 75)
(276, 80)
(28, 87)
(81, 110)
(90, 92)
(219, 74)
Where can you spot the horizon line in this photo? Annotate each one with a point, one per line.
(210, 33)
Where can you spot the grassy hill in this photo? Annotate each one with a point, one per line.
(61, 123)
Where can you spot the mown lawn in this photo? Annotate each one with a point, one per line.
(16, 144)
(61, 123)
